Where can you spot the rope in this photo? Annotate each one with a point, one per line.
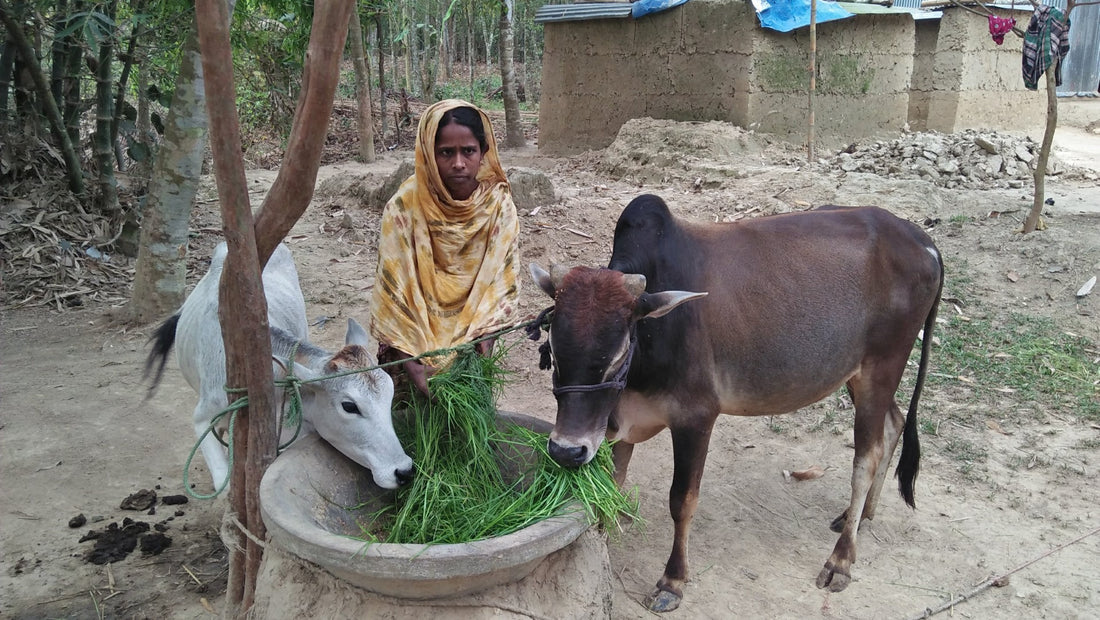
(292, 401)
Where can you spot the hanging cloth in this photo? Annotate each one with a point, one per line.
(1046, 43)
(999, 27)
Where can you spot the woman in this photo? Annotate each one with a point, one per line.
(447, 252)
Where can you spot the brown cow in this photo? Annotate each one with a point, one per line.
(795, 306)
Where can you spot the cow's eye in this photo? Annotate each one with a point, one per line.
(350, 407)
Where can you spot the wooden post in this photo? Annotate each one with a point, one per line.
(813, 82)
(242, 307)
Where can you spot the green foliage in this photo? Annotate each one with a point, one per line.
(459, 493)
(484, 85)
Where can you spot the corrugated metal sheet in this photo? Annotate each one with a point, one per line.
(1081, 69)
(575, 12)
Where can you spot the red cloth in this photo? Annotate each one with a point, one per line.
(999, 27)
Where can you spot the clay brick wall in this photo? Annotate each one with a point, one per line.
(710, 60)
(977, 84)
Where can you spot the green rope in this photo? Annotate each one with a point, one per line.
(292, 402)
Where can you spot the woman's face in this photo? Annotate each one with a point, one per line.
(458, 158)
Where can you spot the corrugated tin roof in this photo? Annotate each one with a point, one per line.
(574, 12)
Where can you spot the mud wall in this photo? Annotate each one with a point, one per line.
(975, 83)
(709, 60)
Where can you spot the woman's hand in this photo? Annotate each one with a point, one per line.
(418, 373)
(484, 348)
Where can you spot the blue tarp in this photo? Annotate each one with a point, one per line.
(645, 7)
(787, 15)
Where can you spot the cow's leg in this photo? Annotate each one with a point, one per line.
(894, 424)
(620, 454)
(871, 410)
(689, 452)
(212, 451)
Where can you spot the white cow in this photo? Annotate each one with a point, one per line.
(351, 412)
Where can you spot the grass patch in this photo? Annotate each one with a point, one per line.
(1029, 358)
(965, 451)
(460, 493)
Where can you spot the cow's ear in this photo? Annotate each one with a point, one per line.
(305, 373)
(357, 335)
(653, 305)
(543, 279)
(281, 370)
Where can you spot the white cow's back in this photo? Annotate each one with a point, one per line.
(199, 347)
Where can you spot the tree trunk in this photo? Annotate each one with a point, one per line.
(428, 67)
(470, 45)
(74, 54)
(104, 148)
(446, 49)
(405, 21)
(1033, 221)
(489, 47)
(124, 77)
(381, 79)
(143, 127)
(7, 65)
(362, 90)
(58, 52)
(242, 306)
(1040, 172)
(512, 122)
(57, 127)
(161, 270)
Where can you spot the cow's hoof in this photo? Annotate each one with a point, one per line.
(833, 579)
(663, 600)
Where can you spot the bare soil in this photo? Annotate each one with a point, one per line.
(1004, 479)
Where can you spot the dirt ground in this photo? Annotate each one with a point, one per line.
(77, 438)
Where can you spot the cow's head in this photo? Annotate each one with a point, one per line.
(352, 411)
(591, 344)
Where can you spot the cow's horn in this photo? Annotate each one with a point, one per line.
(557, 274)
(634, 283)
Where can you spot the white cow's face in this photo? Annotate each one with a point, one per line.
(353, 411)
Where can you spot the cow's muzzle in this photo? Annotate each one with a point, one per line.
(568, 456)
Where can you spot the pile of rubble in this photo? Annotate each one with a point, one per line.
(970, 159)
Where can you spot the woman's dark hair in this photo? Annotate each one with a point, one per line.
(469, 118)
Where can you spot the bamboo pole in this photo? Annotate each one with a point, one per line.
(813, 82)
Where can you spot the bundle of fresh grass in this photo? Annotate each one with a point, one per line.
(460, 493)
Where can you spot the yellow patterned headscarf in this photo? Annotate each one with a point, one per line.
(447, 269)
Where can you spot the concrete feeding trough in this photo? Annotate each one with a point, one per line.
(312, 498)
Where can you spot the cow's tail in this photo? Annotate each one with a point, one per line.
(909, 461)
(163, 339)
